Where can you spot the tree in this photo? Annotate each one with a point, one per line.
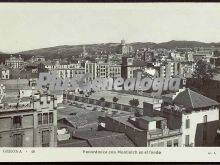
(134, 103)
(115, 100)
(204, 71)
(102, 99)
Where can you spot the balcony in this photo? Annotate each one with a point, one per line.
(159, 133)
(15, 108)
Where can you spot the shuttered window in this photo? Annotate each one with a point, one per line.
(45, 118)
(17, 140)
(45, 138)
(17, 121)
(51, 117)
(187, 123)
(187, 140)
(39, 119)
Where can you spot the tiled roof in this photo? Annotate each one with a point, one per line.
(73, 143)
(82, 119)
(90, 134)
(191, 99)
(104, 138)
(120, 140)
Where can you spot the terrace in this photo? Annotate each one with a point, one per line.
(159, 133)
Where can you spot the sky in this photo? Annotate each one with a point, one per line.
(27, 26)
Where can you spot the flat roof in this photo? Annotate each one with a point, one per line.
(148, 118)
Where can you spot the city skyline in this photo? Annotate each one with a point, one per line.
(33, 26)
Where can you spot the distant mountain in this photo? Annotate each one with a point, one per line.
(182, 44)
(67, 51)
(2, 53)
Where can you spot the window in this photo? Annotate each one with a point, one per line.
(187, 140)
(175, 143)
(17, 140)
(187, 123)
(218, 85)
(169, 143)
(51, 117)
(17, 121)
(205, 119)
(154, 145)
(158, 124)
(39, 119)
(218, 98)
(161, 144)
(45, 138)
(45, 118)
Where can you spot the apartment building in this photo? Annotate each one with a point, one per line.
(4, 73)
(91, 67)
(69, 72)
(103, 70)
(202, 53)
(50, 65)
(28, 122)
(14, 62)
(129, 66)
(170, 68)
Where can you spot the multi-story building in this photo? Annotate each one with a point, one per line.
(200, 54)
(129, 66)
(145, 131)
(124, 48)
(5, 73)
(37, 59)
(170, 68)
(114, 71)
(91, 67)
(185, 110)
(69, 72)
(28, 122)
(103, 70)
(50, 65)
(14, 62)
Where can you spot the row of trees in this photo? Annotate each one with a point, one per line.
(133, 103)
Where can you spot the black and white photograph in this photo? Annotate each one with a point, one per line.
(109, 75)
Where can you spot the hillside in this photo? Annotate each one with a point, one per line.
(67, 51)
